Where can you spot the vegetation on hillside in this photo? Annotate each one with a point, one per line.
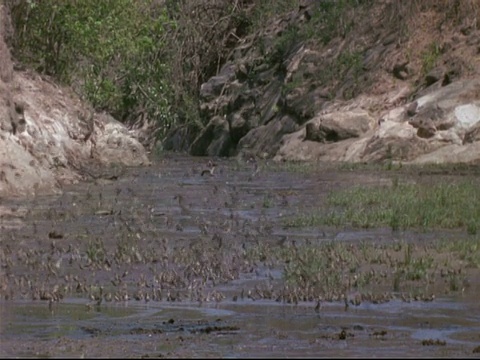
(146, 59)
(111, 51)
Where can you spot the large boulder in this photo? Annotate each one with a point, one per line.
(265, 140)
(214, 139)
(338, 126)
(59, 139)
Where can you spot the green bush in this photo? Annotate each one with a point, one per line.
(111, 51)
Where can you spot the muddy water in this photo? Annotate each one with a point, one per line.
(151, 265)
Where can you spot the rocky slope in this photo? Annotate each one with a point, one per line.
(396, 83)
(49, 137)
(402, 84)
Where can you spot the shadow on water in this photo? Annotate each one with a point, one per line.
(103, 271)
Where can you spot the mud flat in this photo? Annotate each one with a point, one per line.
(164, 262)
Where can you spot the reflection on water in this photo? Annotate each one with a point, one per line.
(248, 328)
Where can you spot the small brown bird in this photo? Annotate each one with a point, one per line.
(181, 203)
(211, 168)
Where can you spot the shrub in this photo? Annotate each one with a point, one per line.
(111, 51)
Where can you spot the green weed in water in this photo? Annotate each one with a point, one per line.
(400, 206)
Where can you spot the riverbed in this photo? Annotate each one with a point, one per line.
(167, 262)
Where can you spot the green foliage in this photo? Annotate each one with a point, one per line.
(330, 20)
(466, 249)
(267, 201)
(205, 33)
(284, 45)
(349, 64)
(269, 9)
(111, 51)
(430, 56)
(348, 60)
(400, 206)
(95, 251)
(146, 59)
(324, 267)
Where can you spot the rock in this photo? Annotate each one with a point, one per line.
(49, 137)
(213, 140)
(448, 116)
(412, 109)
(472, 135)
(265, 140)
(450, 154)
(338, 126)
(425, 126)
(239, 127)
(400, 71)
(434, 75)
(216, 84)
(356, 94)
(116, 144)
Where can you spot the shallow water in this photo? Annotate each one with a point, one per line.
(49, 248)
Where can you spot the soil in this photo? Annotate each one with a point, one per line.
(165, 262)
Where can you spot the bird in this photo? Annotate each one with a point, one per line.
(211, 168)
(252, 160)
(181, 203)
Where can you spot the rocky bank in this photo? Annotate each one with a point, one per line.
(397, 84)
(50, 137)
(402, 84)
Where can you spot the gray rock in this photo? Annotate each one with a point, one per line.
(49, 138)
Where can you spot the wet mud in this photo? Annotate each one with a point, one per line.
(167, 262)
